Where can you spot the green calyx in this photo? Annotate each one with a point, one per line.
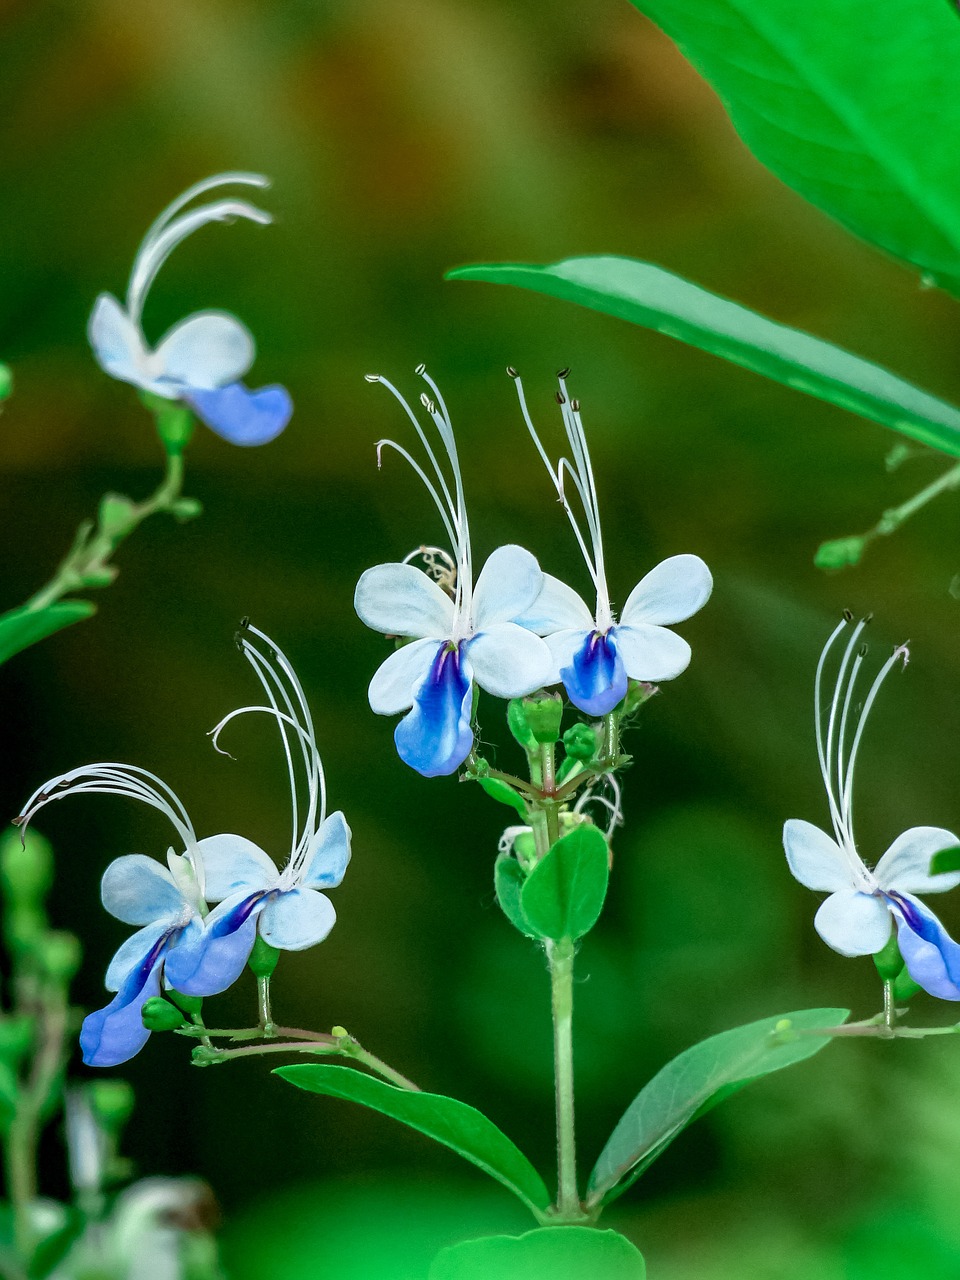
(543, 716)
(191, 1005)
(263, 959)
(175, 422)
(160, 1015)
(580, 742)
(115, 514)
(889, 961)
(519, 726)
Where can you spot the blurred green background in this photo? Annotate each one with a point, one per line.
(404, 138)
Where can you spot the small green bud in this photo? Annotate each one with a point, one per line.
(190, 1005)
(111, 1102)
(60, 955)
(16, 1038)
(160, 1015)
(783, 1032)
(904, 987)
(174, 420)
(263, 958)
(525, 847)
(543, 716)
(340, 1033)
(638, 693)
(888, 960)
(115, 514)
(102, 576)
(24, 928)
(580, 742)
(187, 508)
(6, 381)
(517, 723)
(26, 867)
(840, 553)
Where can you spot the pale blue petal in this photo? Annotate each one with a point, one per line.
(509, 583)
(674, 590)
(556, 608)
(115, 1033)
(129, 955)
(436, 735)
(930, 954)
(815, 859)
(327, 860)
(206, 351)
(563, 646)
(596, 679)
(242, 416)
(234, 863)
(213, 960)
(509, 661)
(116, 341)
(297, 919)
(138, 890)
(906, 864)
(651, 653)
(853, 923)
(400, 600)
(398, 677)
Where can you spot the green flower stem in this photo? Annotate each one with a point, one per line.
(611, 737)
(263, 1000)
(87, 563)
(892, 519)
(889, 1006)
(560, 958)
(355, 1050)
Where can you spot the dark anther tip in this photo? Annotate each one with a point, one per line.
(848, 615)
(511, 372)
(864, 650)
(421, 369)
(563, 373)
(371, 377)
(868, 618)
(561, 398)
(575, 406)
(244, 622)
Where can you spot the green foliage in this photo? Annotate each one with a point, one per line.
(499, 790)
(946, 860)
(551, 1253)
(840, 553)
(6, 381)
(454, 1124)
(657, 299)
(563, 895)
(20, 628)
(509, 879)
(697, 1080)
(852, 103)
(26, 867)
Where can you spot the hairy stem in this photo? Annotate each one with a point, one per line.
(560, 958)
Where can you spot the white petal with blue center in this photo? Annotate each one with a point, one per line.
(232, 863)
(435, 736)
(930, 954)
(815, 858)
(214, 958)
(395, 682)
(651, 652)
(853, 923)
(326, 860)
(138, 890)
(129, 955)
(509, 661)
(905, 866)
(509, 583)
(399, 600)
(674, 590)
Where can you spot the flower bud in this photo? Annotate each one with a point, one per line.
(26, 867)
(543, 717)
(112, 1102)
(187, 508)
(580, 742)
(60, 955)
(160, 1015)
(115, 514)
(638, 693)
(840, 553)
(263, 958)
(517, 722)
(16, 1038)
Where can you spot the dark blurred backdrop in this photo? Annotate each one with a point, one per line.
(404, 138)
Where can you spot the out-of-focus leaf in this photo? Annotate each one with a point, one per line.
(6, 381)
(20, 628)
(551, 1253)
(446, 1120)
(657, 299)
(695, 1081)
(853, 103)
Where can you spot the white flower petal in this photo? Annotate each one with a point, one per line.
(396, 680)
(650, 652)
(297, 919)
(674, 590)
(208, 350)
(399, 600)
(116, 341)
(132, 953)
(906, 864)
(509, 661)
(556, 608)
(509, 583)
(138, 890)
(815, 858)
(233, 863)
(853, 923)
(563, 645)
(327, 858)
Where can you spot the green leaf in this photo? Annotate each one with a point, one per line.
(551, 1253)
(497, 789)
(20, 628)
(945, 860)
(853, 103)
(694, 1082)
(563, 895)
(446, 1120)
(509, 879)
(657, 299)
(6, 381)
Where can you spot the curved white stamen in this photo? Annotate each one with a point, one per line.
(236, 178)
(451, 533)
(847, 797)
(614, 806)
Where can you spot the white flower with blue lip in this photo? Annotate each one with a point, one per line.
(594, 651)
(286, 906)
(471, 638)
(165, 902)
(202, 358)
(864, 903)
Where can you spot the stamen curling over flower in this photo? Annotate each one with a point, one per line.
(201, 360)
(594, 651)
(866, 903)
(456, 642)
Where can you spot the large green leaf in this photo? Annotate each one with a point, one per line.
(657, 299)
(853, 103)
(696, 1081)
(446, 1120)
(563, 895)
(552, 1253)
(20, 628)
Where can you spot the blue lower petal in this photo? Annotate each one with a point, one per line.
(596, 680)
(216, 959)
(116, 1033)
(435, 737)
(243, 416)
(930, 954)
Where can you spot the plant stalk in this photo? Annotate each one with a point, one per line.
(560, 958)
